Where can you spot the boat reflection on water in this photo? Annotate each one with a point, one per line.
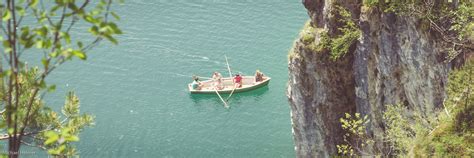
(213, 99)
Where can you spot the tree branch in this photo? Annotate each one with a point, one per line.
(26, 8)
(5, 136)
(98, 39)
(13, 45)
(47, 17)
(10, 85)
(45, 73)
(32, 145)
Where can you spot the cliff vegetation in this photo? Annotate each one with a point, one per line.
(383, 77)
(447, 133)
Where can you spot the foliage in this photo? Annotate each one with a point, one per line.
(67, 130)
(370, 3)
(315, 39)
(460, 33)
(22, 87)
(318, 40)
(293, 52)
(448, 133)
(355, 137)
(339, 45)
(404, 128)
(307, 34)
(324, 42)
(452, 20)
(454, 134)
(307, 38)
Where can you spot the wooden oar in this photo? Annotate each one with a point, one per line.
(228, 67)
(231, 92)
(225, 103)
(205, 77)
(230, 75)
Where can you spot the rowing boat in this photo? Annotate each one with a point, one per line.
(248, 84)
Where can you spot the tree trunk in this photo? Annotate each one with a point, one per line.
(14, 148)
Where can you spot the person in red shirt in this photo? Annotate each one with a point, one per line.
(238, 81)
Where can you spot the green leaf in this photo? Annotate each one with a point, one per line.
(71, 138)
(10, 131)
(55, 8)
(66, 37)
(39, 44)
(52, 88)
(7, 15)
(3, 124)
(115, 15)
(54, 54)
(6, 44)
(7, 72)
(51, 137)
(80, 44)
(78, 53)
(90, 19)
(44, 62)
(111, 39)
(114, 28)
(25, 34)
(33, 3)
(65, 131)
(94, 30)
(43, 31)
(61, 148)
(53, 152)
(42, 84)
(20, 10)
(48, 43)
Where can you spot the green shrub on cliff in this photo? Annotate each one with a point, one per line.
(307, 34)
(454, 134)
(447, 133)
(324, 41)
(404, 128)
(307, 38)
(337, 45)
(355, 138)
(350, 33)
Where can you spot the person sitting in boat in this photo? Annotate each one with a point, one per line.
(196, 85)
(258, 76)
(217, 77)
(238, 81)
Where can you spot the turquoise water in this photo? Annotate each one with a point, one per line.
(137, 90)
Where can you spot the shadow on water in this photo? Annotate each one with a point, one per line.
(213, 99)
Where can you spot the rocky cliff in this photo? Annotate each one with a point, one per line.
(395, 60)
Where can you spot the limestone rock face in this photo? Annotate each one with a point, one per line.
(394, 62)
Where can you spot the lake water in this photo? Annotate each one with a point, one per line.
(137, 90)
